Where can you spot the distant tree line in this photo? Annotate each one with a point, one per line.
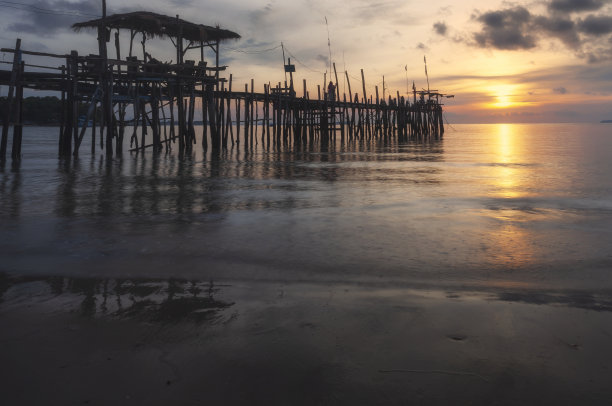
(39, 110)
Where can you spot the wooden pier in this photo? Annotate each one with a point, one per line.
(155, 103)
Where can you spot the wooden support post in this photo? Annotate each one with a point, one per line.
(172, 117)
(74, 101)
(365, 97)
(229, 112)
(256, 102)
(190, 117)
(274, 107)
(252, 103)
(266, 116)
(18, 126)
(221, 115)
(337, 87)
(212, 116)
(157, 147)
(377, 111)
(136, 114)
(118, 50)
(180, 99)
(246, 115)
(62, 110)
(163, 111)
(143, 126)
(9, 110)
(279, 109)
(90, 112)
(204, 118)
(238, 122)
(93, 129)
(348, 82)
(217, 63)
(342, 117)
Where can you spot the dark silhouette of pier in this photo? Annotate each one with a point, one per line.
(154, 103)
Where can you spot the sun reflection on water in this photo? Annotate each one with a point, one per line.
(506, 173)
(513, 245)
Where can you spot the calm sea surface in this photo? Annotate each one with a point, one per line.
(487, 205)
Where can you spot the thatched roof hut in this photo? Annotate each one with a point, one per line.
(158, 25)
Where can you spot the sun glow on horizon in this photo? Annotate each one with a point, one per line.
(506, 96)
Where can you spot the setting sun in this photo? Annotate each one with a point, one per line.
(506, 96)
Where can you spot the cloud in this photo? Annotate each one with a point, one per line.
(181, 3)
(516, 28)
(561, 28)
(322, 58)
(560, 90)
(596, 25)
(572, 6)
(372, 11)
(49, 17)
(258, 17)
(506, 29)
(440, 28)
(593, 78)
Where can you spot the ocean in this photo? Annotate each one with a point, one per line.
(472, 268)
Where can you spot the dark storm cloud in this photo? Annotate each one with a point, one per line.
(505, 29)
(569, 6)
(596, 25)
(48, 17)
(440, 28)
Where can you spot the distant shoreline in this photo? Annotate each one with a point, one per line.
(128, 124)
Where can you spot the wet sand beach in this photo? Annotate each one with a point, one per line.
(100, 342)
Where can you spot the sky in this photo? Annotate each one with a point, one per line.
(505, 62)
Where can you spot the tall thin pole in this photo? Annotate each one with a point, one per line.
(383, 87)
(328, 45)
(426, 74)
(284, 62)
(407, 88)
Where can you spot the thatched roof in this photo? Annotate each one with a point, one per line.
(160, 25)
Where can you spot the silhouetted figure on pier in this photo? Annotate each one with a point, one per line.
(331, 91)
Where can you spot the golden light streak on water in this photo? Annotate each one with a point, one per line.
(506, 174)
(512, 244)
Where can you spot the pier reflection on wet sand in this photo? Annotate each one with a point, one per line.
(103, 341)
